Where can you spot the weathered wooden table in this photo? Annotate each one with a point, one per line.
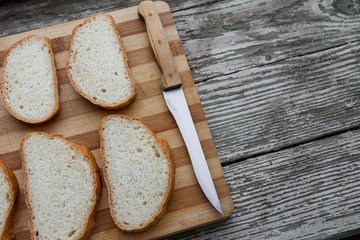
(280, 85)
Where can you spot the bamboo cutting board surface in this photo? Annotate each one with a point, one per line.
(78, 121)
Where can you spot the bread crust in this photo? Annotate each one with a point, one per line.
(87, 230)
(125, 60)
(8, 233)
(171, 176)
(55, 82)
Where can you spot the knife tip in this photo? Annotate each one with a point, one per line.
(219, 209)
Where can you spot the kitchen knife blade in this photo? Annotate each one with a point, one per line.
(176, 102)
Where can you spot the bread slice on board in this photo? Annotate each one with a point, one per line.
(62, 187)
(139, 172)
(8, 191)
(97, 66)
(29, 85)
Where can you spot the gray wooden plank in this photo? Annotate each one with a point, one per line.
(21, 16)
(310, 191)
(233, 35)
(284, 103)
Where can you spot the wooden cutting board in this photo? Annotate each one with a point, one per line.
(78, 121)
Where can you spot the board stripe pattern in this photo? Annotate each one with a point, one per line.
(78, 121)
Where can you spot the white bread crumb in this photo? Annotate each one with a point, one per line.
(5, 191)
(60, 187)
(97, 66)
(29, 84)
(9, 188)
(138, 171)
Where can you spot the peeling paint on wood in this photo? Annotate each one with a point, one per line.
(229, 36)
(21, 16)
(285, 103)
(310, 191)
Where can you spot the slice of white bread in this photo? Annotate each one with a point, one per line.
(29, 85)
(139, 172)
(8, 191)
(62, 186)
(97, 65)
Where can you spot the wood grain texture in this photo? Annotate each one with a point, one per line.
(78, 121)
(295, 38)
(248, 57)
(25, 15)
(229, 36)
(310, 191)
(285, 103)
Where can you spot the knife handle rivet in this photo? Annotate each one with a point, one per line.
(160, 46)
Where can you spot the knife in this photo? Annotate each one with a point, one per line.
(176, 102)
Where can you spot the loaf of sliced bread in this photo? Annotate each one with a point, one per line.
(29, 86)
(62, 187)
(139, 172)
(8, 191)
(97, 66)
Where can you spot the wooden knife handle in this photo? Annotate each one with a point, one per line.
(160, 45)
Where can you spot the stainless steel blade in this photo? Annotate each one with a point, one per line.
(176, 102)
